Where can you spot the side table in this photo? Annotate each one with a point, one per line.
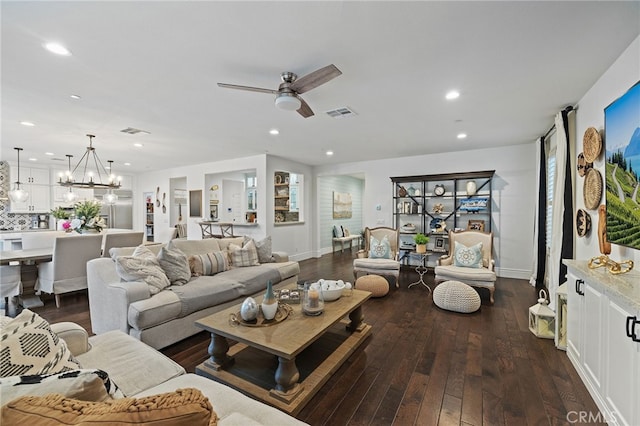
(421, 269)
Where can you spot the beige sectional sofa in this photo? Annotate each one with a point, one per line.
(167, 317)
(138, 371)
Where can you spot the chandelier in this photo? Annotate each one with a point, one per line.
(91, 178)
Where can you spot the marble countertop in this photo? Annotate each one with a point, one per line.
(624, 288)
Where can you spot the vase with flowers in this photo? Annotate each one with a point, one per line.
(87, 217)
(62, 216)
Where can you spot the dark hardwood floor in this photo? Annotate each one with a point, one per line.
(423, 365)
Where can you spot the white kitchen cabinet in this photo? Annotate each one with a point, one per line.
(603, 338)
(36, 182)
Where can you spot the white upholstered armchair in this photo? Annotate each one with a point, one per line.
(380, 258)
(470, 260)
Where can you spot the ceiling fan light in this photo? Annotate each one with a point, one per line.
(288, 102)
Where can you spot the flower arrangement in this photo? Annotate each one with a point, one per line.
(87, 217)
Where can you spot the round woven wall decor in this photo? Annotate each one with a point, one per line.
(583, 223)
(591, 144)
(583, 166)
(592, 191)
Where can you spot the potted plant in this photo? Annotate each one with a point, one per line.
(87, 217)
(421, 241)
(61, 215)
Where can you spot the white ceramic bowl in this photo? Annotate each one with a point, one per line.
(332, 290)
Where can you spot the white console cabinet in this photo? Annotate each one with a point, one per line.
(603, 338)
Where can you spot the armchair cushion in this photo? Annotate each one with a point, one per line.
(382, 264)
(467, 257)
(380, 249)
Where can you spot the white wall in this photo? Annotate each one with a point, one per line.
(513, 194)
(623, 74)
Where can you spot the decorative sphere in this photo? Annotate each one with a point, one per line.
(249, 309)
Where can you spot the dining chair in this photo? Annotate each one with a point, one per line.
(67, 270)
(40, 239)
(121, 239)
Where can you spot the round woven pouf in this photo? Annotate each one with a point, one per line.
(377, 285)
(456, 296)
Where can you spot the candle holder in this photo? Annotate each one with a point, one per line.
(313, 301)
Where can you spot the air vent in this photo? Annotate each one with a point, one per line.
(341, 112)
(132, 131)
(58, 159)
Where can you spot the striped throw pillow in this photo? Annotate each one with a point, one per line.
(245, 256)
(208, 264)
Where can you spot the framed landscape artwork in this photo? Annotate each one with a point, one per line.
(342, 205)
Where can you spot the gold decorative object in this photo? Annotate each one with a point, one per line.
(614, 267)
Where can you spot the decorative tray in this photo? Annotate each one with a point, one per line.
(282, 314)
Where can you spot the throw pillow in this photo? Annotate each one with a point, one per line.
(188, 407)
(175, 265)
(468, 257)
(86, 385)
(345, 232)
(29, 346)
(379, 249)
(263, 247)
(337, 232)
(143, 266)
(208, 264)
(245, 256)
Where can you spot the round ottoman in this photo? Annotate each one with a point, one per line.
(456, 296)
(377, 285)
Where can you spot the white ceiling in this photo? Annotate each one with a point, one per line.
(154, 66)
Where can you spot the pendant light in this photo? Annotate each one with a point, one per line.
(110, 197)
(17, 194)
(69, 196)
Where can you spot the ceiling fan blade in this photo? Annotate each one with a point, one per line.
(305, 109)
(315, 79)
(248, 88)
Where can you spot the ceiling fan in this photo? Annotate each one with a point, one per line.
(292, 86)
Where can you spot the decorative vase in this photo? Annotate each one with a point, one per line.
(402, 192)
(249, 309)
(471, 187)
(269, 303)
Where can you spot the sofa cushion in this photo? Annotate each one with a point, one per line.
(208, 263)
(205, 291)
(226, 242)
(128, 251)
(155, 310)
(175, 265)
(191, 247)
(187, 407)
(133, 365)
(263, 247)
(29, 346)
(86, 385)
(232, 407)
(245, 256)
(143, 265)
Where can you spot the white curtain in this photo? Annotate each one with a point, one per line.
(555, 254)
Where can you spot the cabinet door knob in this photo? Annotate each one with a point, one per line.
(579, 283)
(631, 328)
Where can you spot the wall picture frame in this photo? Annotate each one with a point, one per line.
(475, 225)
(439, 244)
(195, 203)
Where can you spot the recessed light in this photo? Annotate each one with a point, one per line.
(137, 145)
(329, 153)
(58, 49)
(75, 96)
(127, 164)
(27, 123)
(453, 94)
(274, 132)
(462, 135)
(33, 159)
(49, 153)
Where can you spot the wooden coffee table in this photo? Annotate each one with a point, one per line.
(286, 340)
